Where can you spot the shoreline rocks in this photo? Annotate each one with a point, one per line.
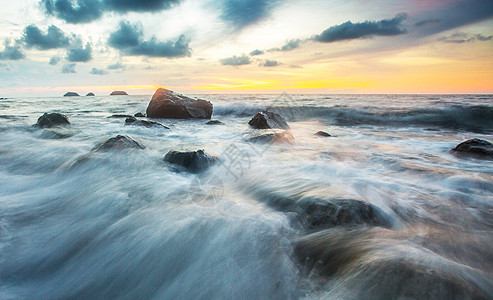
(268, 120)
(90, 95)
(145, 123)
(166, 104)
(475, 147)
(118, 142)
(214, 122)
(322, 134)
(52, 119)
(71, 94)
(271, 136)
(118, 93)
(193, 161)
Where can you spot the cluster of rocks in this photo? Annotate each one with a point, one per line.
(91, 94)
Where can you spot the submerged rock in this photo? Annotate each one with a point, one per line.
(52, 119)
(476, 147)
(118, 93)
(118, 116)
(214, 122)
(139, 115)
(268, 120)
(59, 133)
(90, 95)
(193, 161)
(171, 105)
(145, 123)
(71, 94)
(117, 143)
(271, 137)
(322, 134)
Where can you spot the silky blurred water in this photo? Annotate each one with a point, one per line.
(125, 225)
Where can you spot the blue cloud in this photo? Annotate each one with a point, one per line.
(241, 13)
(256, 52)
(96, 71)
(11, 51)
(53, 39)
(236, 61)
(270, 63)
(78, 53)
(68, 69)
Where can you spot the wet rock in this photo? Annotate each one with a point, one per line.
(214, 122)
(90, 95)
(145, 123)
(268, 120)
(139, 115)
(476, 147)
(322, 134)
(52, 119)
(193, 161)
(59, 133)
(71, 94)
(172, 105)
(119, 142)
(118, 116)
(118, 93)
(271, 137)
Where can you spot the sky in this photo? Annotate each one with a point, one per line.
(49, 47)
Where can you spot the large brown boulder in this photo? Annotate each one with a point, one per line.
(171, 105)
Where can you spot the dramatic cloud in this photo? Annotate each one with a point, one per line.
(73, 11)
(78, 53)
(236, 61)
(351, 31)
(68, 68)
(460, 37)
(55, 60)
(116, 66)
(127, 35)
(290, 45)
(241, 13)
(455, 14)
(53, 39)
(270, 63)
(96, 71)
(427, 22)
(11, 52)
(129, 40)
(256, 52)
(85, 11)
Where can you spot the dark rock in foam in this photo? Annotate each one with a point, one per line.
(476, 147)
(119, 142)
(52, 119)
(145, 123)
(322, 134)
(268, 120)
(214, 122)
(193, 161)
(272, 136)
(171, 105)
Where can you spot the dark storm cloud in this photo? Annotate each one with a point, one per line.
(351, 31)
(129, 40)
(241, 13)
(11, 51)
(456, 14)
(236, 61)
(256, 52)
(78, 53)
(53, 39)
(54, 60)
(460, 37)
(270, 63)
(96, 71)
(127, 35)
(68, 68)
(73, 11)
(86, 11)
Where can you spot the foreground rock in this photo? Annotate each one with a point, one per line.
(52, 119)
(268, 120)
(145, 123)
(118, 93)
(71, 94)
(59, 133)
(214, 122)
(90, 95)
(322, 134)
(194, 161)
(139, 115)
(171, 105)
(476, 147)
(119, 142)
(118, 116)
(271, 137)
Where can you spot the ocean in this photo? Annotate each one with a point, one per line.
(79, 224)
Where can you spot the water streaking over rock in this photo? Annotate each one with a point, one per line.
(382, 209)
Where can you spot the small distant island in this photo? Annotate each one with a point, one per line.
(90, 94)
(71, 94)
(118, 93)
